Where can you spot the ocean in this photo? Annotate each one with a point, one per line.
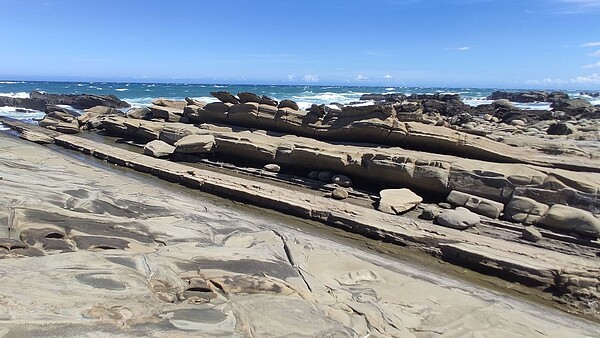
(141, 94)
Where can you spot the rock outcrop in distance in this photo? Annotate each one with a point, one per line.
(39, 101)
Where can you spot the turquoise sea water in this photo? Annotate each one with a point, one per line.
(140, 94)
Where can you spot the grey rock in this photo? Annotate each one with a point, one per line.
(482, 206)
(567, 218)
(342, 180)
(531, 234)
(561, 129)
(430, 212)
(326, 176)
(274, 168)
(138, 113)
(524, 210)
(459, 218)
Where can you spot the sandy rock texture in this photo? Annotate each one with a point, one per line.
(96, 251)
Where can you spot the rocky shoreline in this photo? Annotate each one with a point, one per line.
(505, 191)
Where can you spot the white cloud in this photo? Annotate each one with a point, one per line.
(545, 82)
(311, 78)
(596, 53)
(387, 76)
(291, 77)
(593, 65)
(590, 79)
(361, 77)
(463, 48)
(591, 44)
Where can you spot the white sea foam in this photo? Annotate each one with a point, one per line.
(26, 116)
(390, 89)
(208, 99)
(3, 127)
(139, 101)
(21, 95)
(327, 97)
(121, 89)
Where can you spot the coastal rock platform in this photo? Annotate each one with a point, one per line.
(122, 255)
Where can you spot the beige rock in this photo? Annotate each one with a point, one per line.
(158, 148)
(195, 144)
(397, 201)
(339, 193)
(567, 218)
(36, 137)
(482, 206)
(169, 103)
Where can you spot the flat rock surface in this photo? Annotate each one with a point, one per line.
(113, 253)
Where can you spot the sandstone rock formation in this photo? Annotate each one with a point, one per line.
(398, 201)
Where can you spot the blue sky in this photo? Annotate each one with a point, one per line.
(484, 43)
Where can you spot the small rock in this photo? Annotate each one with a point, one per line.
(397, 201)
(326, 176)
(430, 212)
(532, 234)
(517, 122)
(339, 193)
(274, 168)
(342, 180)
(445, 205)
(459, 218)
(487, 117)
(561, 129)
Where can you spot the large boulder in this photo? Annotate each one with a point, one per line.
(52, 123)
(397, 201)
(480, 205)
(225, 97)
(138, 113)
(79, 101)
(170, 103)
(573, 106)
(459, 218)
(158, 148)
(195, 144)
(520, 97)
(524, 210)
(567, 218)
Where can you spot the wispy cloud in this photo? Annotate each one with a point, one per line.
(591, 44)
(460, 49)
(361, 77)
(592, 79)
(388, 76)
(311, 78)
(291, 77)
(596, 53)
(578, 6)
(593, 65)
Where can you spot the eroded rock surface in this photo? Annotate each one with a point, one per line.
(93, 252)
